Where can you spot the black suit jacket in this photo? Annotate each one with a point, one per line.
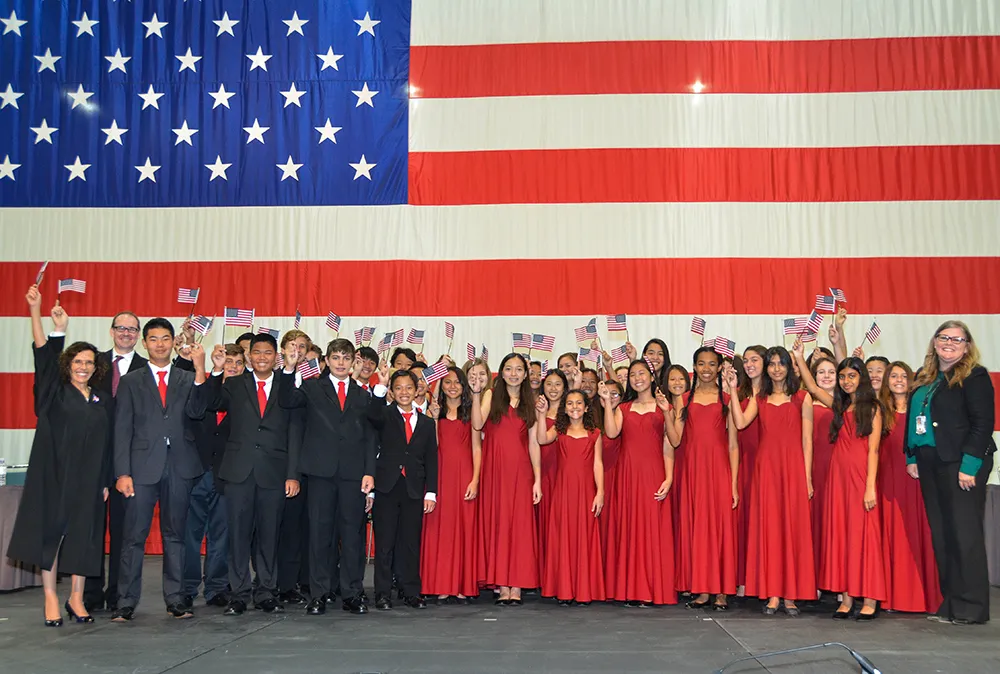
(335, 442)
(147, 435)
(210, 438)
(963, 418)
(419, 456)
(102, 387)
(257, 444)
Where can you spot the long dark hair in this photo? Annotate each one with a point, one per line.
(501, 399)
(662, 379)
(865, 402)
(791, 379)
(694, 382)
(745, 384)
(563, 420)
(465, 404)
(74, 350)
(596, 406)
(630, 393)
(886, 397)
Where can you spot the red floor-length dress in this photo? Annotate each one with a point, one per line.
(680, 529)
(852, 551)
(640, 562)
(508, 534)
(822, 456)
(911, 575)
(748, 438)
(449, 547)
(574, 567)
(610, 451)
(779, 546)
(706, 547)
(550, 467)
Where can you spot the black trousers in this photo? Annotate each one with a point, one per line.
(174, 493)
(293, 545)
(94, 591)
(336, 507)
(253, 510)
(398, 524)
(956, 521)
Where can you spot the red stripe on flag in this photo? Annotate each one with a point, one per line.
(743, 67)
(915, 173)
(779, 286)
(18, 412)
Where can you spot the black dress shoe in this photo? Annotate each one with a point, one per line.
(180, 611)
(416, 602)
(697, 604)
(218, 600)
(270, 606)
(235, 607)
(565, 602)
(382, 602)
(292, 597)
(400, 595)
(188, 602)
(355, 605)
(725, 607)
(936, 618)
(123, 614)
(865, 617)
(841, 615)
(769, 610)
(515, 602)
(966, 621)
(316, 607)
(462, 601)
(78, 618)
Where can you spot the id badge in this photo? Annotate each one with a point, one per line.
(921, 424)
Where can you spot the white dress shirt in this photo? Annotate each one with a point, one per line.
(125, 363)
(267, 384)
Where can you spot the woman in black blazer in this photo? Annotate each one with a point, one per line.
(949, 438)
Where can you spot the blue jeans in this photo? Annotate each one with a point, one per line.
(206, 517)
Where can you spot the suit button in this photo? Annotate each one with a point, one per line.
(934, 424)
(166, 416)
(258, 429)
(256, 446)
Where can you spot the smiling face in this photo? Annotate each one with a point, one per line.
(639, 377)
(654, 354)
(340, 364)
(576, 406)
(82, 367)
(621, 374)
(849, 379)
(513, 372)
(452, 386)
(826, 375)
(677, 383)
(566, 363)
(753, 364)
(125, 332)
(876, 371)
(588, 383)
(262, 359)
(777, 371)
(403, 391)
(951, 345)
(899, 382)
(535, 376)
(706, 367)
(479, 374)
(159, 343)
(233, 366)
(553, 388)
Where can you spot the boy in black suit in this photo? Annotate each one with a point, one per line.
(406, 479)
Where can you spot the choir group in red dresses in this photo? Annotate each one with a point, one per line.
(774, 476)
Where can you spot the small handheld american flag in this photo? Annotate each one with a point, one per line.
(873, 333)
(710, 343)
(279, 362)
(543, 342)
(587, 332)
(363, 335)
(698, 326)
(521, 340)
(333, 322)
(298, 319)
(397, 338)
(449, 330)
(793, 326)
(201, 324)
(416, 337)
(808, 337)
(814, 322)
(309, 368)
(725, 347)
(435, 372)
(242, 318)
(268, 331)
(590, 355)
(72, 285)
(485, 354)
(384, 343)
(825, 303)
(188, 295)
(616, 323)
(619, 354)
(545, 368)
(838, 295)
(470, 351)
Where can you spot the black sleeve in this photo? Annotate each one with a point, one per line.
(289, 396)
(47, 372)
(977, 392)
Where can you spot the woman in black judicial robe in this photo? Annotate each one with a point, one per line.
(59, 522)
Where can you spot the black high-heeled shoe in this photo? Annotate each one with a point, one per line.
(864, 617)
(82, 619)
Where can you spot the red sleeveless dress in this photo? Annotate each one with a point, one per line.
(449, 547)
(508, 533)
(779, 545)
(550, 466)
(748, 439)
(822, 456)
(574, 567)
(609, 454)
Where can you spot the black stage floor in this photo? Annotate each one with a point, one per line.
(540, 636)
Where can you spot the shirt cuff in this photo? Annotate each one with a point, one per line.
(970, 464)
(218, 374)
(371, 495)
(379, 391)
(57, 334)
(430, 496)
(911, 460)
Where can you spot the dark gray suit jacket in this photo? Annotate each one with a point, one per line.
(147, 436)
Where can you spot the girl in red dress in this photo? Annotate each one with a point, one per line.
(706, 544)
(852, 547)
(553, 388)
(574, 570)
(511, 483)
(824, 372)
(448, 564)
(609, 454)
(640, 564)
(749, 377)
(911, 574)
(779, 539)
(678, 383)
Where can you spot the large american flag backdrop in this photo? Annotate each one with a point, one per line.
(505, 166)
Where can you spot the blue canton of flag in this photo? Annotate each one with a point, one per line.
(225, 103)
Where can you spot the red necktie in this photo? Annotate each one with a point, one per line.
(342, 393)
(219, 416)
(162, 386)
(409, 434)
(261, 397)
(116, 376)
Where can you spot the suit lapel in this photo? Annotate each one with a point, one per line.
(272, 400)
(331, 393)
(249, 383)
(137, 361)
(149, 382)
(175, 380)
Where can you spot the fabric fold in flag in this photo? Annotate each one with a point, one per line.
(202, 324)
(698, 326)
(825, 303)
(309, 368)
(587, 332)
(873, 333)
(274, 332)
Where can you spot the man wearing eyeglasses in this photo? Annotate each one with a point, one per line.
(120, 360)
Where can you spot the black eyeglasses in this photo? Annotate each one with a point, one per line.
(944, 339)
(124, 329)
